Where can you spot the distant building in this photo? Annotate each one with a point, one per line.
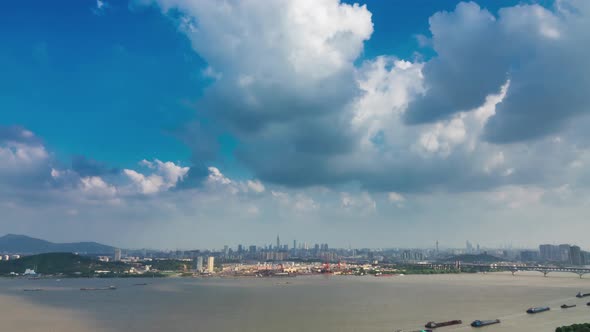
(545, 252)
(564, 253)
(468, 247)
(29, 272)
(117, 255)
(252, 249)
(211, 264)
(198, 264)
(575, 255)
(554, 253)
(412, 255)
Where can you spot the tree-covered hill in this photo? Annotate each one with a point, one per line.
(59, 263)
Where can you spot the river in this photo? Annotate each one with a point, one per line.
(318, 303)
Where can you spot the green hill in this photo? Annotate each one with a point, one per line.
(58, 263)
(22, 244)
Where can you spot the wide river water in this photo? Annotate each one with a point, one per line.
(316, 303)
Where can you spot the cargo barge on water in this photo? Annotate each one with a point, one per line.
(433, 325)
(481, 323)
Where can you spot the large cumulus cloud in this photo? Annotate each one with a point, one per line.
(288, 86)
(284, 77)
(543, 52)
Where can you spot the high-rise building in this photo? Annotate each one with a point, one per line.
(278, 242)
(560, 253)
(294, 244)
(225, 250)
(211, 264)
(564, 252)
(545, 252)
(468, 247)
(199, 264)
(117, 255)
(575, 255)
(252, 249)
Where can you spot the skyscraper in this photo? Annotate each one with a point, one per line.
(199, 266)
(575, 255)
(278, 243)
(545, 251)
(211, 264)
(117, 255)
(564, 252)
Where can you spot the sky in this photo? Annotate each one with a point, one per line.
(177, 124)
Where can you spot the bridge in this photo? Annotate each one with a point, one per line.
(514, 268)
(580, 271)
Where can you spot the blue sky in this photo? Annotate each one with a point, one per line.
(175, 117)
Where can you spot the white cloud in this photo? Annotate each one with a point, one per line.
(395, 197)
(100, 7)
(362, 202)
(96, 187)
(17, 156)
(516, 197)
(165, 176)
(215, 176)
(256, 186)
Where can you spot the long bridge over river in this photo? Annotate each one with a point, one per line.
(514, 268)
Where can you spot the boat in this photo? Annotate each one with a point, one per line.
(32, 289)
(537, 310)
(140, 284)
(97, 289)
(567, 306)
(480, 323)
(386, 275)
(414, 331)
(433, 325)
(588, 304)
(581, 295)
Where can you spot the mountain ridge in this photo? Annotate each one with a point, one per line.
(23, 244)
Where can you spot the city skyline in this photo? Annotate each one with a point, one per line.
(171, 124)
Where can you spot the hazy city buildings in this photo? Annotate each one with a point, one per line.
(563, 253)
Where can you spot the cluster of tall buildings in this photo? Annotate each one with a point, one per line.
(198, 264)
(564, 253)
(412, 255)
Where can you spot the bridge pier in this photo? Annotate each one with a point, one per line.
(513, 272)
(581, 274)
(545, 273)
